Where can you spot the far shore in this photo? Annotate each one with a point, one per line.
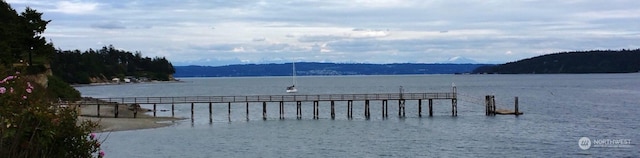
(120, 83)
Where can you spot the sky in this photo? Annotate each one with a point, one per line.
(222, 32)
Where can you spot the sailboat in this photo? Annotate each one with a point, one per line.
(292, 89)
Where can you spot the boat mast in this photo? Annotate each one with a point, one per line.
(294, 73)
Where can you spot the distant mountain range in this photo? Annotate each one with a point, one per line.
(321, 69)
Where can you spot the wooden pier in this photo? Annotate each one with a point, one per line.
(383, 98)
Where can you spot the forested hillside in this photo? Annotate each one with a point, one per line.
(595, 61)
(107, 63)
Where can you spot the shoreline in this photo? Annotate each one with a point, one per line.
(113, 83)
(129, 124)
(125, 121)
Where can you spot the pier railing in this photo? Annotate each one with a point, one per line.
(276, 98)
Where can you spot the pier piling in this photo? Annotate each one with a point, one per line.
(367, 113)
(281, 110)
(430, 107)
(299, 110)
(264, 110)
(229, 110)
(192, 111)
(315, 110)
(210, 112)
(401, 112)
(516, 106)
(247, 104)
(333, 110)
(350, 109)
(154, 109)
(419, 107)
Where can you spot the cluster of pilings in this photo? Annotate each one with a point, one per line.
(490, 107)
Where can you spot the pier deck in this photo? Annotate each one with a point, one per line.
(264, 99)
(277, 98)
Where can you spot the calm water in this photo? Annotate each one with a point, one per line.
(559, 110)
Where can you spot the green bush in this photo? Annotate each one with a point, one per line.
(31, 126)
(60, 89)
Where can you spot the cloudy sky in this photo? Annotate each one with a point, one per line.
(219, 32)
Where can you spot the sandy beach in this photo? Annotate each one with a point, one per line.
(125, 121)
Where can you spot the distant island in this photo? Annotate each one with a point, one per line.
(322, 69)
(595, 61)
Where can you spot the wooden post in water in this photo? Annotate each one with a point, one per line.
(350, 109)
(173, 109)
(516, 106)
(154, 110)
(298, 109)
(386, 108)
(401, 111)
(315, 109)
(493, 105)
(486, 105)
(399, 108)
(247, 104)
(333, 110)
(229, 110)
(281, 110)
(264, 110)
(454, 107)
(383, 102)
(366, 109)
(210, 112)
(192, 111)
(419, 107)
(430, 107)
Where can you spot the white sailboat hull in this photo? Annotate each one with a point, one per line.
(293, 89)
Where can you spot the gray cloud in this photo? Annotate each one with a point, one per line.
(109, 25)
(343, 31)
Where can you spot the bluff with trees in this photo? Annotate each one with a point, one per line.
(107, 63)
(30, 125)
(594, 61)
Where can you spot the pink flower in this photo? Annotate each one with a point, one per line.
(101, 153)
(29, 85)
(9, 78)
(28, 90)
(3, 90)
(24, 97)
(17, 72)
(92, 135)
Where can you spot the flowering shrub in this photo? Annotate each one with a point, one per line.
(31, 126)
